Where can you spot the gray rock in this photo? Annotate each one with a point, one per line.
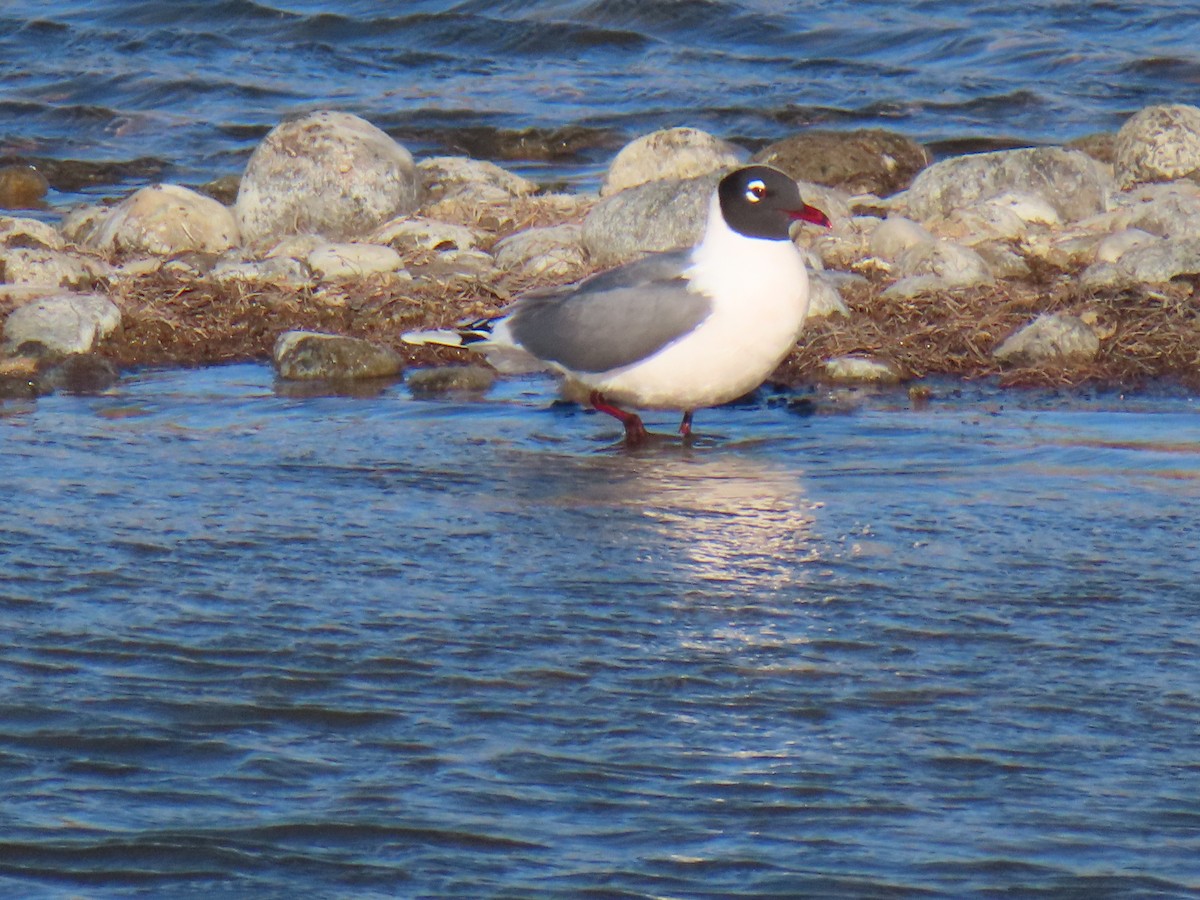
(1056, 337)
(553, 252)
(870, 160)
(451, 379)
(310, 356)
(659, 215)
(165, 219)
(1071, 182)
(327, 173)
(1159, 143)
(668, 154)
(1153, 262)
(857, 369)
(62, 324)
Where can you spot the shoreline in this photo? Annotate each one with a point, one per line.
(918, 277)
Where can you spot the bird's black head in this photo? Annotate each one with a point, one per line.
(761, 202)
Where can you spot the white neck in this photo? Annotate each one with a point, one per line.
(750, 272)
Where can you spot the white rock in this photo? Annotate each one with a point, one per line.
(327, 173)
(165, 219)
(63, 324)
(1114, 246)
(553, 252)
(60, 268)
(341, 262)
(895, 234)
(1159, 143)
(1049, 338)
(671, 153)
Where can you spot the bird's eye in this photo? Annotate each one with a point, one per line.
(755, 191)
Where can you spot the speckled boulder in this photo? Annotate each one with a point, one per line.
(659, 215)
(869, 160)
(1071, 182)
(1160, 143)
(672, 153)
(165, 219)
(327, 173)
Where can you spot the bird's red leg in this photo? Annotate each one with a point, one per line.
(635, 431)
(685, 427)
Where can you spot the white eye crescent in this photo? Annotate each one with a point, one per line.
(755, 191)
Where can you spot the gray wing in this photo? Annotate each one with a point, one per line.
(612, 319)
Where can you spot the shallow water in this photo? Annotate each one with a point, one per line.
(190, 87)
(381, 646)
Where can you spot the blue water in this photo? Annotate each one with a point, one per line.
(194, 85)
(260, 645)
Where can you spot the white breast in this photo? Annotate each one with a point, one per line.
(760, 298)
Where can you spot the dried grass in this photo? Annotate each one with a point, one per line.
(1146, 334)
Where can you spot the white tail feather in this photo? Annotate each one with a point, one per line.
(443, 337)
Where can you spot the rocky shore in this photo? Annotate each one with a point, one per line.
(1046, 265)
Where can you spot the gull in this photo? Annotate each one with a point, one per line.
(681, 330)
